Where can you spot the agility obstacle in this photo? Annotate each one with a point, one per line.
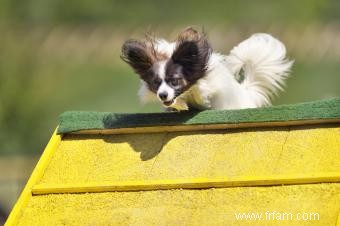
(189, 168)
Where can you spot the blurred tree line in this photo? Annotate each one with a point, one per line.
(140, 13)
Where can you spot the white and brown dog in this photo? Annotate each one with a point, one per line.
(187, 73)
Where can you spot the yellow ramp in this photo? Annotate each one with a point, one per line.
(102, 170)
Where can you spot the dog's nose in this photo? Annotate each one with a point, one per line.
(163, 96)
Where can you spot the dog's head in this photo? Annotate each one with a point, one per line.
(168, 77)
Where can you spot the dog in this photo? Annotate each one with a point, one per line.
(188, 74)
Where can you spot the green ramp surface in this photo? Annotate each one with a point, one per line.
(73, 121)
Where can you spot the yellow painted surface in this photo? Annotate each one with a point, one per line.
(26, 194)
(186, 207)
(184, 155)
(196, 183)
(178, 162)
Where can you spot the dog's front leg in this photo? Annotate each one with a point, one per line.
(178, 105)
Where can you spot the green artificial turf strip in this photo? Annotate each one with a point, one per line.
(81, 120)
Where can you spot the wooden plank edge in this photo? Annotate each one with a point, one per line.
(36, 175)
(193, 183)
(202, 127)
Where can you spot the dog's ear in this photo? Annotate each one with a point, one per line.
(138, 56)
(188, 34)
(192, 53)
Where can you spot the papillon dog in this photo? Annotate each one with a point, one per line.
(187, 73)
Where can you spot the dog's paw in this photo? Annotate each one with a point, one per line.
(207, 103)
(180, 105)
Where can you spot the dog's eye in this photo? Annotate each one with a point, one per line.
(174, 82)
(156, 82)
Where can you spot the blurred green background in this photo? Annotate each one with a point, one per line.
(58, 55)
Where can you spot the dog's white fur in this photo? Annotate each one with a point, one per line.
(263, 61)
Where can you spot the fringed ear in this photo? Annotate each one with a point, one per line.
(192, 53)
(189, 34)
(138, 55)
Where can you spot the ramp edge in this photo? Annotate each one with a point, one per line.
(186, 183)
(37, 174)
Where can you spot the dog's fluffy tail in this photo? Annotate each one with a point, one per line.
(262, 63)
